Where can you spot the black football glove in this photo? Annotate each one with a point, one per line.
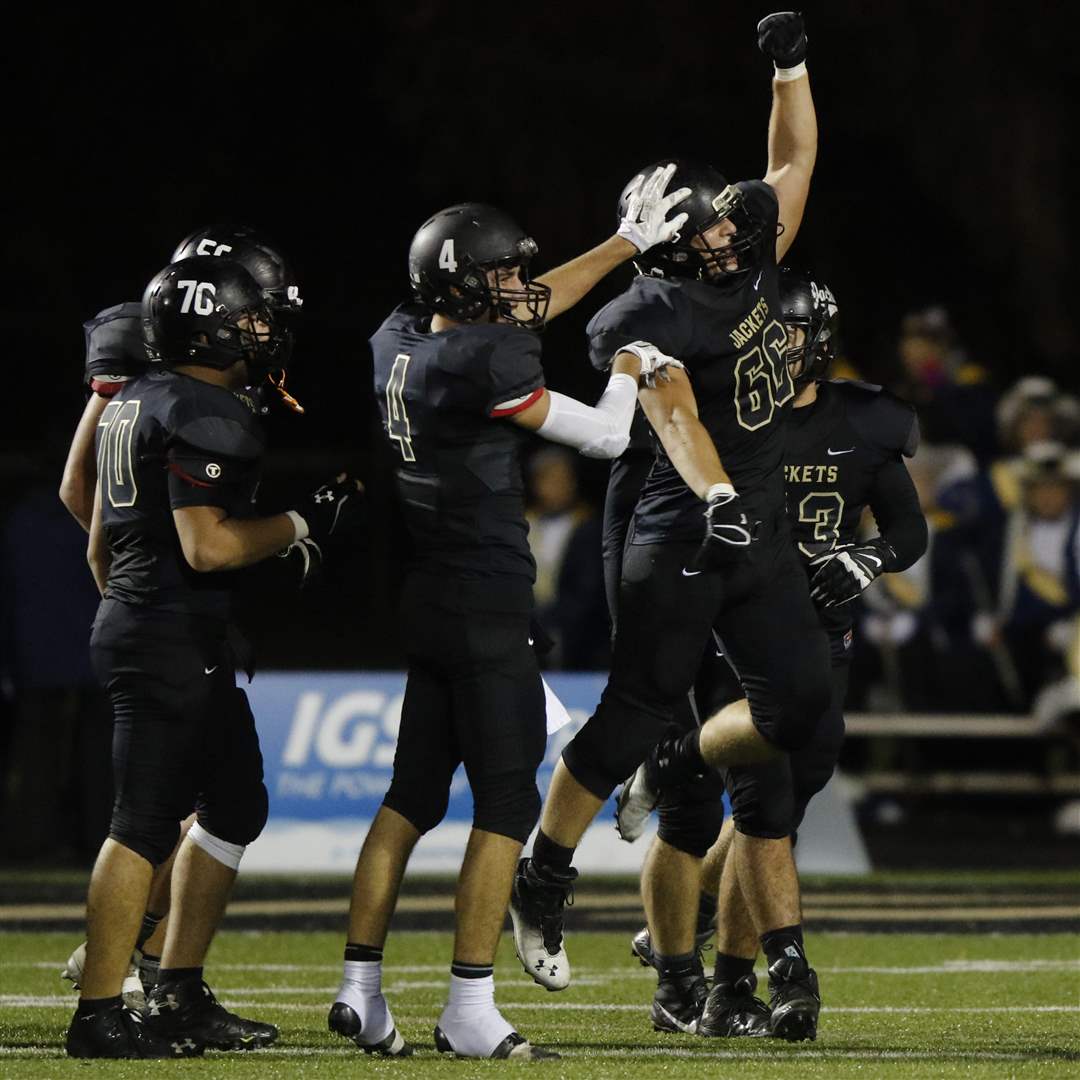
(728, 532)
(335, 510)
(303, 561)
(782, 38)
(844, 572)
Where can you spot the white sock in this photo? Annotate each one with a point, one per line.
(361, 990)
(470, 1020)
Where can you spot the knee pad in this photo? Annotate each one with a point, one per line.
(507, 805)
(422, 808)
(614, 741)
(152, 838)
(691, 819)
(238, 819)
(763, 799)
(225, 852)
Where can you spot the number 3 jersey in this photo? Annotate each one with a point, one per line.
(845, 453)
(166, 441)
(732, 340)
(444, 398)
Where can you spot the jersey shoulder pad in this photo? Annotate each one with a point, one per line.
(210, 421)
(880, 417)
(114, 343)
(502, 362)
(404, 317)
(652, 310)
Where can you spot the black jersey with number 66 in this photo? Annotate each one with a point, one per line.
(732, 341)
(444, 399)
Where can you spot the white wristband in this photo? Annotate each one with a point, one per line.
(299, 525)
(718, 490)
(790, 74)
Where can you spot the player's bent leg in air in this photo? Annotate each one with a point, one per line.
(788, 694)
(664, 621)
(231, 810)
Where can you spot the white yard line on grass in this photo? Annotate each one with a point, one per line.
(799, 1052)
(67, 1001)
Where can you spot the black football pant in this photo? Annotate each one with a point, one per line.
(760, 607)
(474, 695)
(183, 737)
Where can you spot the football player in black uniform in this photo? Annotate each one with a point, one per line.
(116, 353)
(459, 384)
(710, 299)
(845, 446)
(179, 452)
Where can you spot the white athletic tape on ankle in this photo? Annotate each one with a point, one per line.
(227, 854)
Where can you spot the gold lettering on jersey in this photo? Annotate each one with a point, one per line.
(811, 474)
(750, 325)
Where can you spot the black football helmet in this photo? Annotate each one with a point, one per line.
(712, 199)
(449, 258)
(253, 252)
(192, 313)
(810, 305)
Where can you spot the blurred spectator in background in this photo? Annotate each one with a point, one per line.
(953, 396)
(564, 535)
(1034, 410)
(1037, 568)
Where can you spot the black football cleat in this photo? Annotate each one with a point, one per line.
(794, 999)
(514, 1047)
(117, 1032)
(732, 1011)
(678, 1002)
(641, 945)
(189, 1008)
(536, 910)
(344, 1021)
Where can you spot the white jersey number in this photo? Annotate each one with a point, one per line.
(397, 419)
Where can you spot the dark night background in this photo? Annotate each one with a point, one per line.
(944, 175)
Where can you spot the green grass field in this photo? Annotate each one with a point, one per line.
(903, 1005)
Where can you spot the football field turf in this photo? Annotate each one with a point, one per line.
(895, 1004)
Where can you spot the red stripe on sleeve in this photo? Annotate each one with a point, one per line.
(530, 400)
(187, 477)
(105, 389)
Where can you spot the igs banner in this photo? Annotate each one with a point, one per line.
(328, 743)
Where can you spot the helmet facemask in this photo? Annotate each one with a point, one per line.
(527, 306)
(708, 262)
(815, 355)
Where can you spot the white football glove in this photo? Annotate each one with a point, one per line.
(645, 222)
(653, 362)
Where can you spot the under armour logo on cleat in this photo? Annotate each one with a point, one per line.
(791, 950)
(180, 1047)
(324, 496)
(539, 965)
(554, 968)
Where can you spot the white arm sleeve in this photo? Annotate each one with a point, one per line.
(598, 431)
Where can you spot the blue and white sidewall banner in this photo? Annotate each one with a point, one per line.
(328, 742)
